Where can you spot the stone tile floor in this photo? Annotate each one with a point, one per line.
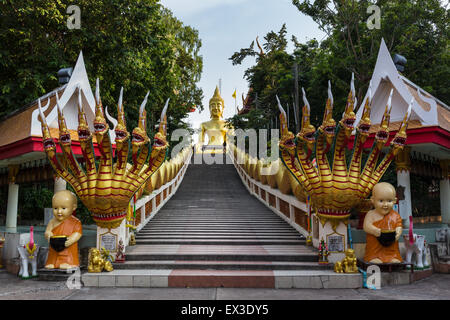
(436, 287)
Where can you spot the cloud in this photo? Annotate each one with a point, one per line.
(190, 7)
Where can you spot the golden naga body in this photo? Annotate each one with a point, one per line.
(348, 264)
(106, 189)
(337, 188)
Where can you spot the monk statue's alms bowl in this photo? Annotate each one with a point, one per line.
(58, 243)
(387, 237)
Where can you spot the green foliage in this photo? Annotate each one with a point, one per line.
(418, 30)
(32, 201)
(254, 119)
(82, 213)
(271, 75)
(136, 44)
(423, 202)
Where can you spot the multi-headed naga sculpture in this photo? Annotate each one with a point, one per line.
(106, 188)
(337, 188)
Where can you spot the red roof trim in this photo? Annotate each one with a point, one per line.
(436, 135)
(34, 144)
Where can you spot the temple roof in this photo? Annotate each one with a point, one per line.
(427, 110)
(21, 132)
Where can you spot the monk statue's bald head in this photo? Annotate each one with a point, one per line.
(64, 203)
(383, 197)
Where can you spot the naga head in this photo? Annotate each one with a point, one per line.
(122, 135)
(139, 134)
(382, 134)
(64, 134)
(47, 140)
(286, 137)
(328, 125)
(84, 134)
(101, 127)
(160, 139)
(348, 118)
(365, 123)
(307, 131)
(399, 140)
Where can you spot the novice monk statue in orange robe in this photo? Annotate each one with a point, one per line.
(64, 224)
(381, 219)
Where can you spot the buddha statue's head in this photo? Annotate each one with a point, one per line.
(216, 105)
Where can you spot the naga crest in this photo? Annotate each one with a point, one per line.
(336, 188)
(287, 137)
(307, 132)
(106, 188)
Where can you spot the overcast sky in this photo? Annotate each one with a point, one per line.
(226, 26)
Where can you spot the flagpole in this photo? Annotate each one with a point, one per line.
(235, 103)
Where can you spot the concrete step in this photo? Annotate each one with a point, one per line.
(218, 242)
(4, 274)
(224, 236)
(218, 221)
(209, 228)
(213, 233)
(232, 222)
(221, 265)
(219, 233)
(240, 257)
(182, 278)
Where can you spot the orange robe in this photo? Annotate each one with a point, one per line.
(68, 255)
(374, 249)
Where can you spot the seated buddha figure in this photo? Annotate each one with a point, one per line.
(215, 128)
(63, 232)
(383, 226)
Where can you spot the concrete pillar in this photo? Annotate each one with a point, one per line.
(109, 238)
(335, 237)
(444, 188)
(404, 206)
(13, 199)
(403, 164)
(60, 184)
(11, 210)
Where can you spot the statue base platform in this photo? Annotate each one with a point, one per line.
(55, 274)
(387, 267)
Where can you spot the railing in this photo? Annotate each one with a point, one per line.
(162, 186)
(148, 206)
(275, 192)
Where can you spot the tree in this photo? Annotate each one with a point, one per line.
(136, 44)
(418, 30)
(271, 76)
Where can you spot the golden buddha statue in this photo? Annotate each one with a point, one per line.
(215, 128)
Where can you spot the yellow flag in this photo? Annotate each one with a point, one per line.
(234, 94)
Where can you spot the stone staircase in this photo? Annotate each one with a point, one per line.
(213, 233)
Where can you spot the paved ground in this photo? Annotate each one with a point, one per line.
(436, 287)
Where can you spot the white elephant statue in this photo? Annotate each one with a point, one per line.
(28, 252)
(418, 248)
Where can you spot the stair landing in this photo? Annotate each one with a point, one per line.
(213, 233)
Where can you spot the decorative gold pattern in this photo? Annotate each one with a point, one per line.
(13, 170)
(403, 160)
